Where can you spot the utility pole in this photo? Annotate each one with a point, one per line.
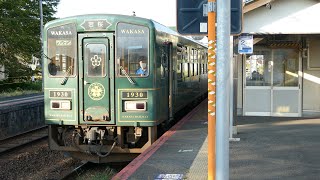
(223, 88)
(212, 89)
(41, 39)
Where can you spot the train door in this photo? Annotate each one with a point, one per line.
(169, 74)
(96, 72)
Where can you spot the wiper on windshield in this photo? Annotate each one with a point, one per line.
(126, 74)
(66, 76)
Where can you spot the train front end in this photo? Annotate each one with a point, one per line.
(98, 87)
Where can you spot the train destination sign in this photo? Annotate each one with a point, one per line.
(95, 25)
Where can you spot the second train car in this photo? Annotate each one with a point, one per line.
(110, 80)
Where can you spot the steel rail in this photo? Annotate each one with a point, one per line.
(20, 140)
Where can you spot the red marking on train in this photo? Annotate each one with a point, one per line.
(126, 172)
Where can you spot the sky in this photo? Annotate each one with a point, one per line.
(162, 11)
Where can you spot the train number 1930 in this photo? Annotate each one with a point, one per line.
(136, 94)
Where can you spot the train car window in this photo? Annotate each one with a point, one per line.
(61, 50)
(187, 54)
(132, 48)
(191, 69)
(179, 60)
(179, 70)
(206, 69)
(202, 68)
(96, 55)
(195, 55)
(186, 70)
(195, 69)
(192, 55)
(164, 61)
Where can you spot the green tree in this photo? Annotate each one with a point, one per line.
(20, 33)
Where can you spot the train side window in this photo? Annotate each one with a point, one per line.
(206, 69)
(195, 55)
(191, 55)
(202, 68)
(162, 66)
(179, 70)
(180, 52)
(132, 50)
(186, 70)
(191, 69)
(195, 69)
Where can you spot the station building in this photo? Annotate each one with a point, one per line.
(281, 77)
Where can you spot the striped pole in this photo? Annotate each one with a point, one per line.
(211, 90)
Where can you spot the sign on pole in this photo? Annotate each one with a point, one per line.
(192, 17)
(245, 44)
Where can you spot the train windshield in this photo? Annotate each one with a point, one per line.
(132, 50)
(61, 50)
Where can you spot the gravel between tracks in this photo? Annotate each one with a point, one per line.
(35, 162)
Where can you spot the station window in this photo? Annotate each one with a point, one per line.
(61, 51)
(132, 50)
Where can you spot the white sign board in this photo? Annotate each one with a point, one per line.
(245, 45)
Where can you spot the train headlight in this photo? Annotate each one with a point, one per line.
(135, 106)
(61, 104)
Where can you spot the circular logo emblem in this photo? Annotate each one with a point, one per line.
(96, 91)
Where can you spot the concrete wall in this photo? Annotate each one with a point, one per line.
(311, 76)
(284, 17)
(21, 118)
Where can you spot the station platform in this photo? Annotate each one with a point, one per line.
(176, 153)
(269, 148)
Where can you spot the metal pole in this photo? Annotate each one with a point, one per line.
(211, 89)
(231, 96)
(41, 39)
(223, 88)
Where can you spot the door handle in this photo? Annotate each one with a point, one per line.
(85, 82)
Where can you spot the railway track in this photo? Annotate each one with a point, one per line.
(23, 139)
(76, 172)
(89, 170)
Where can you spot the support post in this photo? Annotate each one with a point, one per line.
(223, 89)
(211, 90)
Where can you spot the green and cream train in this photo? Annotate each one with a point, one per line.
(111, 80)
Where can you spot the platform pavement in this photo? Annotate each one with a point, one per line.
(269, 148)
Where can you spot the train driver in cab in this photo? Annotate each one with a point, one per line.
(142, 71)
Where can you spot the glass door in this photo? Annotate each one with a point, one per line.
(286, 92)
(272, 83)
(257, 87)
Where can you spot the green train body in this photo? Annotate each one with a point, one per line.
(98, 104)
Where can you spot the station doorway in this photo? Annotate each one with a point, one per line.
(272, 82)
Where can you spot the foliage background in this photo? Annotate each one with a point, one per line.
(20, 34)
